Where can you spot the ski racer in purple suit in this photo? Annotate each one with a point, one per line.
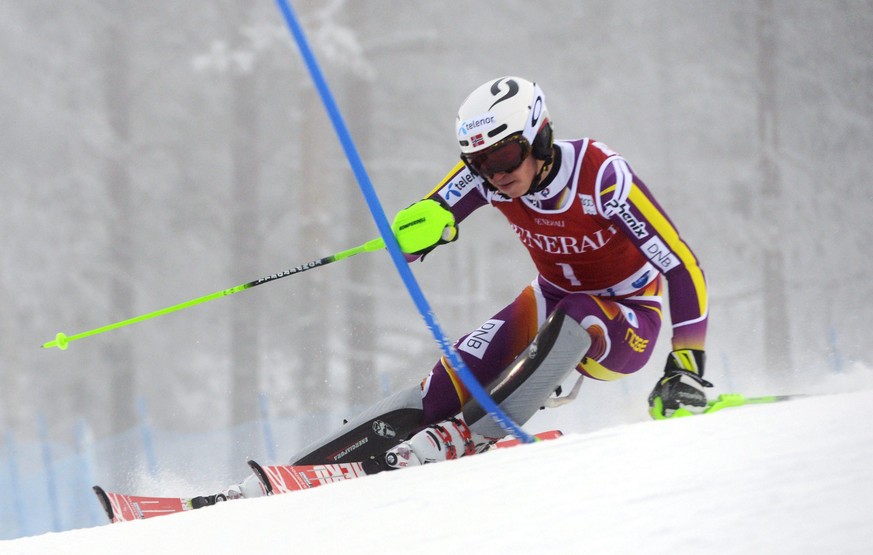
(602, 246)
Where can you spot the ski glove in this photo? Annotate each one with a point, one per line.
(679, 392)
(423, 226)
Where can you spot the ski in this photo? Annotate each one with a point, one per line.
(120, 507)
(284, 478)
(278, 479)
(542, 436)
(723, 401)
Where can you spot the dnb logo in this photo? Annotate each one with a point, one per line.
(478, 341)
(660, 254)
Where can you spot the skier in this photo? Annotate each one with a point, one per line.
(602, 246)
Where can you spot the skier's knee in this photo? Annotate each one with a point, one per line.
(534, 375)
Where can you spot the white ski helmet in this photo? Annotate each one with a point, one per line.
(501, 111)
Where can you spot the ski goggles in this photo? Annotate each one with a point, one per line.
(505, 156)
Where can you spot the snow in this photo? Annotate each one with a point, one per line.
(790, 477)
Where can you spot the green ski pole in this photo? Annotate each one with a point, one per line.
(723, 401)
(62, 341)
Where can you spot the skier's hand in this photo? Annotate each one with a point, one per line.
(423, 226)
(679, 392)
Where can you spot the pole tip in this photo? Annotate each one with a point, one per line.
(61, 342)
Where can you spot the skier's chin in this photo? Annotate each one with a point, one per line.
(510, 188)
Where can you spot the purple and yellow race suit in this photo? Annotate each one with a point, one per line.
(601, 244)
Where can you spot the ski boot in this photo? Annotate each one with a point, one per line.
(450, 439)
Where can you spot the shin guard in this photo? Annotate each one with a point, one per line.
(528, 382)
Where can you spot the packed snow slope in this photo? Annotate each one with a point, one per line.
(792, 477)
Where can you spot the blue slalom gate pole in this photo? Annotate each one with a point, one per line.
(145, 432)
(85, 449)
(266, 427)
(345, 137)
(51, 479)
(15, 484)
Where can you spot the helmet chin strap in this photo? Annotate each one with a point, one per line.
(536, 184)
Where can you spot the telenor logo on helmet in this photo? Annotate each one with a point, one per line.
(483, 121)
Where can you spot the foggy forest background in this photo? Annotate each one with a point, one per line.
(153, 152)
